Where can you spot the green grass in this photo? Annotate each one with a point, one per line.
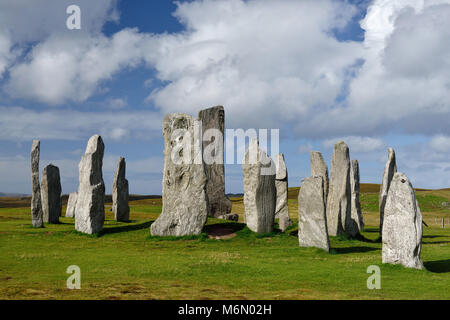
(125, 262)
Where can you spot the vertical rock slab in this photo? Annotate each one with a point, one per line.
(281, 184)
(71, 204)
(402, 228)
(320, 168)
(312, 221)
(260, 193)
(90, 207)
(213, 127)
(185, 202)
(357, 221)
(120, 194)
(389, 170)
(338, 202)
(51, 194)
(36, 204)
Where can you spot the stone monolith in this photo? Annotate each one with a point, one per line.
(320, 168)
(51, 194)
(120, 194)
(389, 170)
(36, 204)
(281, 184)
(71, 204)
(357, 222)
(402, 227)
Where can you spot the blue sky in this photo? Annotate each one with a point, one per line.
(373, 73)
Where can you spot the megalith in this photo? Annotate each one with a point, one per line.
(389, 170)
(71, 203)
(312, 221)
(357, 222)
(213, 127)
(281, 184)
(402, 227)
(260, 194)
(320, 168)
(90, 206)
(120, 194)
(36, 204)
(51, 194)
(184, 197)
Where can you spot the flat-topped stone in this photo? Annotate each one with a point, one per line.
(51, 194)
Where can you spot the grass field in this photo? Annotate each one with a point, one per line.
(125, 262)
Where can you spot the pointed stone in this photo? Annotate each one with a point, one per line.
(389, 170)
(120, 193)
(402, 228)
(281, 184)
(36, 204)
(51, 194)
(71, 204)
(185, 202)
(320, 168)
(260, 194)
(312, 222)
(357, 221)
(90, 206)
(338, 203)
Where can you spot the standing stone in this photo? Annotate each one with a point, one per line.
(36, 204)
(185, 202)
(389, 170)
(90, 207)
(71, 204)
(260, 194)
(281, 184)
(320, 168)
(51, 194)
(402, 228)
(120, 193)
(338, 203)
(357, 221)
(312, 221)
(214, 118)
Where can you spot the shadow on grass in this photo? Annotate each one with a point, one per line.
(231, 226)
(133, 227)
(352, 250)
(438, 266)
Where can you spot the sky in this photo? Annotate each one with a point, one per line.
(374, 73)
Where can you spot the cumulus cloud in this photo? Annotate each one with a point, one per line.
(440, 143)
(357, 144)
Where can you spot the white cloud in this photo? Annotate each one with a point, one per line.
(305, 148)
(357, 144)
(117, 103)
(440, 143)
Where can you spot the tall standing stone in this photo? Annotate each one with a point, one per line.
(36, 204)
(260, 194)
(357, 220)
(51, 194)
(71, 204)
(312, 221)
(389, 170)
(90, 207)
(338, 203)
(281, 184)
(120, 194)
(185, 202)
(402, 228)
(320, 168)
(213, 146)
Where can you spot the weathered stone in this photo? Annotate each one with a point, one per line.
(402, 227)
(213, 146)
(338, 203)
(389, 170)
(357, 221)
(260, 194)
(71, 204)
(185, 202)
(281, 184)
(312, 220)
(90, 207)
(36, 204)
(320, 168)
(120, 194)
(51, 194)
(229, 216)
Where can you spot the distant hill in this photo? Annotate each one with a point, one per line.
(13, 195)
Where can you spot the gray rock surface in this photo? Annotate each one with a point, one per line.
(229, 216)
(36, 204)
(260, 192)
(71, 204)
(357, 221)
(218, 202)
(51, 194)
(281, 184)
(402, 228)
(185, 202)
(338, 202)
(90, 207)
(389, 170)
(312, 221)
(120, 194)
(320, 168)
